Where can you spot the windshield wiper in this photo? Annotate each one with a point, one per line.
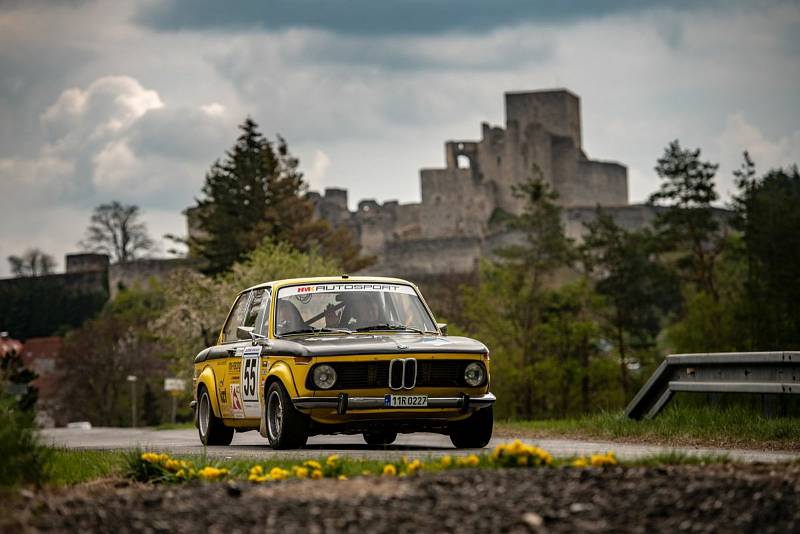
(388, 326)
(315, 331)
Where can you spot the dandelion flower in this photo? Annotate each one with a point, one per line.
(389, 470)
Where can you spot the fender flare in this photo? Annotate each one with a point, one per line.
(208, 379)
(283, 372)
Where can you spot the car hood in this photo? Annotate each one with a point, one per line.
(399, 343)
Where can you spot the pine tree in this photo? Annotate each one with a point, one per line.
(689, 225)
(257, 193)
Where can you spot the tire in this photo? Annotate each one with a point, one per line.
(286, 427)
(380, 438)
(210, 427)
(475, 431)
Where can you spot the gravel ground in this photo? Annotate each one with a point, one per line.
(722, 498)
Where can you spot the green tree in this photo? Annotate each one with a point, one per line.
(98, 357)
(196, 304)
(257, 192)
(689, 225)
(14, 373)
(545, 337)
(115, 229)
(768, 216)
(638, 289)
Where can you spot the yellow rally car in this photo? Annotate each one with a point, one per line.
(341, 355)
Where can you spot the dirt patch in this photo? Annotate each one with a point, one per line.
(739, 498)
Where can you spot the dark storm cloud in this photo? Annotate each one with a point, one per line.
(387, 17)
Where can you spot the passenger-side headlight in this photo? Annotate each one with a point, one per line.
(474, 374)
(324, 376)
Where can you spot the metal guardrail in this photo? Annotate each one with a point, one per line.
(724, 372)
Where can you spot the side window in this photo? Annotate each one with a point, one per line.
(255, 307)
(262, 320)
(236, 318)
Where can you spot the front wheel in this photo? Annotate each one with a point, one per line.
(475, 431)
(210, 427)
(286, 427)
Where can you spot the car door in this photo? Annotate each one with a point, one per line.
(250, 376)
(232, 348)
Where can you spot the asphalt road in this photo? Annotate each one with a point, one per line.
(251, 444)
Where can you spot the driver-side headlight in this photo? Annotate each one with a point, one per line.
(474, 374)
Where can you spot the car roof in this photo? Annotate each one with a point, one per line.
(329, 279)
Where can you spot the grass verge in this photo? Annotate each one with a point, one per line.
(70, 466)
(677, 425)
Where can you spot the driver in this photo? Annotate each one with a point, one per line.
(360, 310)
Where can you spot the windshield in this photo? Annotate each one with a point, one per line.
(350, 307)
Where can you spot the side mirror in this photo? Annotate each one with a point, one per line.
(244, 332)
(442, 328)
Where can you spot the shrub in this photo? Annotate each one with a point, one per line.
(24, 459)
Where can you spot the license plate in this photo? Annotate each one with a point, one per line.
(404, 401)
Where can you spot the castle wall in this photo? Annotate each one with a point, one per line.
(557, 112)
(453, 203)
(424, 257)
(139, 272)
(600, 182)
(34, 306)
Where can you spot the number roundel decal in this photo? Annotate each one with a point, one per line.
(250, 367)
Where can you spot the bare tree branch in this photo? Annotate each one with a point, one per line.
(33, 262)
(115, 230)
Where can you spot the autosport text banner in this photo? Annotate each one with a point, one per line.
(345, 287)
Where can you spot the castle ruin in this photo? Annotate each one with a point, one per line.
(453, 226)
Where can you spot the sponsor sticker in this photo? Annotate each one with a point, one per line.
(339, 287)
(236, 402)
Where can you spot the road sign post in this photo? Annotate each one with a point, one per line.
(174, 386)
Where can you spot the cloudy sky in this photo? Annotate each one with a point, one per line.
(133, 101)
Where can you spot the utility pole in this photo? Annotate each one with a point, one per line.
(132, 380)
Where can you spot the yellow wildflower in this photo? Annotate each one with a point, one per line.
(211, 473)
(522, 460)
(316, 474)
(498, 451)
(332, 460)
(413, 467)
(472, 460)
(300, 472)
(312, 464)
(447, 460)
(256, 470)
(150, 457)
(366, 473)
(600, 460)
(389, 470)
(277, 473)
(172, 465)
(580, 462)
(342, 477)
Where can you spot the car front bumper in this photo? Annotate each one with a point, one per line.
(344, 403)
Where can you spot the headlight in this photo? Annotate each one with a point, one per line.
(474, 374)
(325, 376)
